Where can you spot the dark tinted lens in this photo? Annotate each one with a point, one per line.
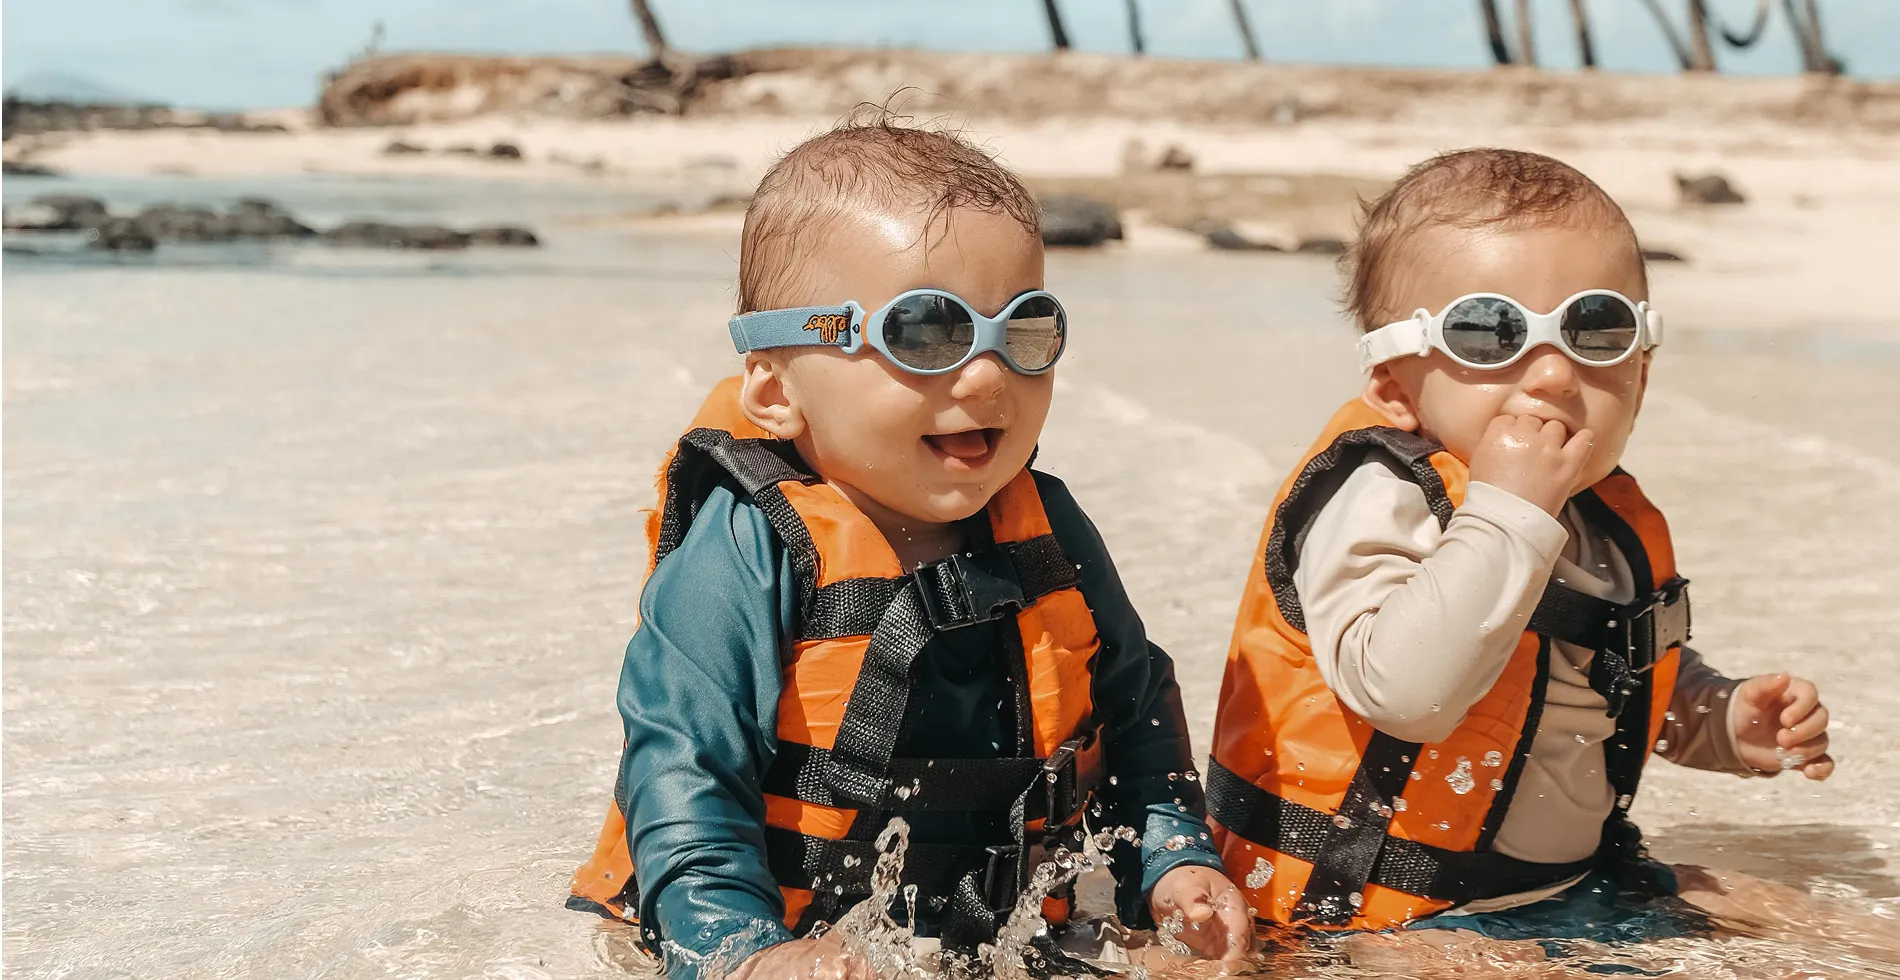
(1599, 328)
(1485, 330)
(1037, 330)
(928, 332)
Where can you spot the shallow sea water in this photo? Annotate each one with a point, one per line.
(318, 566)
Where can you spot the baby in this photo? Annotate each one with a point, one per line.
(1465, 631)
(864, 605)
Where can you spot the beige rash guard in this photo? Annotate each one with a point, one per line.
(1412, 625)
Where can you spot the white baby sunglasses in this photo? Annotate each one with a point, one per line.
(1487, 331)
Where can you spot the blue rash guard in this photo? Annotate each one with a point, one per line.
(699, 697)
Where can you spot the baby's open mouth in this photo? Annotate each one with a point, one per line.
(971, 445)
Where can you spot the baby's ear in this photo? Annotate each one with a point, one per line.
(1390, 399)
(767, 400)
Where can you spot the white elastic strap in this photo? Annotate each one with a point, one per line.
(1405, 338)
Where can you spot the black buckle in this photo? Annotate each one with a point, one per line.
(958, 592)
(1004, 876)
(1661, 623)
(1069, 776)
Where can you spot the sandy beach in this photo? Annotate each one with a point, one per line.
(318, 571)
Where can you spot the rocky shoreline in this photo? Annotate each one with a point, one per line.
(250, 219)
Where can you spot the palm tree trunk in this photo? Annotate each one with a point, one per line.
(1494, 32)
(1057, 35)
(1669, 33)
(1586, 51)
(650, 28)
(1526, 50)
(1701, 53)
(1246, 30)
(1134, 27)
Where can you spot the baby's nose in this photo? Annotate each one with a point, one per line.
(982, 378)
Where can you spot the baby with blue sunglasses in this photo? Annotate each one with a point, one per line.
(865, 606)
(1466, 633)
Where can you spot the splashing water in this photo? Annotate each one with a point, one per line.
(1261, 874)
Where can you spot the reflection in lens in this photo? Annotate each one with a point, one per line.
(1485, 330)
(928, 332)
(1599, 328)
(1037, 329)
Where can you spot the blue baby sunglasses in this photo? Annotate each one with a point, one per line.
(923, 331)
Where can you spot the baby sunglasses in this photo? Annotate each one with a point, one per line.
(1487, 331)
(923, 331)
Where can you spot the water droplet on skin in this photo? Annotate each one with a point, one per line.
(1581, 740)
(1662, 745)
(1435, 709)
(1701, 709)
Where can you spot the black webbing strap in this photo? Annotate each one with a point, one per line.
(1408, 453)
(1404, 865)
(860, 763)
(1627, 639)
(853, 607)
(1521, 752)
(1356, 836)
(960, 590)
(755, 464)
(958, 785)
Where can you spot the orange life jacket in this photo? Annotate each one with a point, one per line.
(1325, 820)
(834, 784)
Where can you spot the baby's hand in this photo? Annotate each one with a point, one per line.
(1528, 457)
(803, 959)
(1215, 922)
(1780, 723)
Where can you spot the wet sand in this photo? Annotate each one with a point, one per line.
(317, 576)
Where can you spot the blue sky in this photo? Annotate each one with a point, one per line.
(245, 53)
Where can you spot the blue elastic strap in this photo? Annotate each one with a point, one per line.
(803, 326)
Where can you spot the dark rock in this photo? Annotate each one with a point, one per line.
(399, 148)
(1222, 236)
(508, 236)
(462, 150)
(75, 212)
(171, 223)
(21, 168)
(504, 151)
(1175, 158)
(1321, 246)
(729, 202)
(1707, 189)
(1069, 220)
(1662, 255)
(122, 235)
(255, 217)
(375, 234)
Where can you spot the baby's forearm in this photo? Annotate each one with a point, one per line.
(1410, 642)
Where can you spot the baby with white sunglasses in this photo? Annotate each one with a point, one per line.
(1465, 633)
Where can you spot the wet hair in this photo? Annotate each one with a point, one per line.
(1476, 188)
(873, 158)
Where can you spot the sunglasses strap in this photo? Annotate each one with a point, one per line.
(800, 326)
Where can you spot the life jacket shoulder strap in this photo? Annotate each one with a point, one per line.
(707, 456)
(1407, 453)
